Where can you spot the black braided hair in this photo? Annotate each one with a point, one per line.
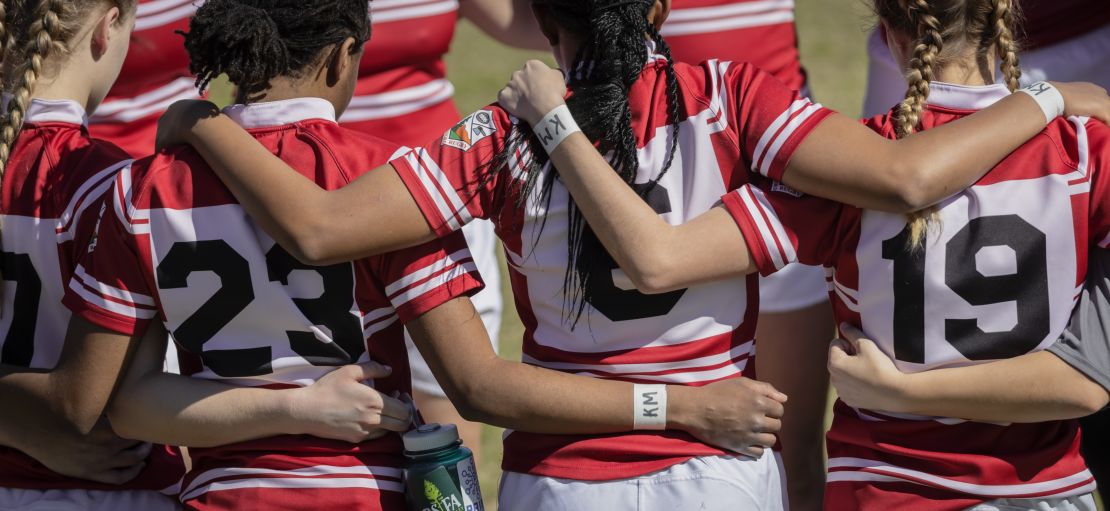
(255, 41)
(615, 34)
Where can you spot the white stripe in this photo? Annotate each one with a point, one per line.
(721, 11)
(128, 110)
(765, 139)
(852, 305)
(399, 102)
(429, 184)
(992, 490)
(761, 225)
(375, 315)
(784, 135)
(157, 6)
(1080, 188)
(732, 23)
(423, 288)
(685, 378)
(110, 306)
(1105, 243)
(331, 482)
(316, 470)
(112, 291)
(1081, 142)
(164, 18)
(87, 195)
(421, 11)
(776, 224)
(379, 326)
(846, 290)
(694, 363)
(435, 267)
(449, 192)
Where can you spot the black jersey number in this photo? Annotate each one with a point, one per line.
(627, 304)
(1027, 288)
(331, 310)
(19, 345)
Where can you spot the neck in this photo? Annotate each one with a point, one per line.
(968, 69)
(283, 89)
(66, 84)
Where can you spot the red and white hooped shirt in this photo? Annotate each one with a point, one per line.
(175, 246)
(402, 92)
(154, 76)
(740, 118)
(997, 278)
(757, 31)
(52, 199)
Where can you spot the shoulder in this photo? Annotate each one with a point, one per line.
(353, 150)
(175, 178)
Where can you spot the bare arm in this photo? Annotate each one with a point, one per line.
(172, 409)
(738, 414)
(1035, 387)
(840, 159)
(510, 22)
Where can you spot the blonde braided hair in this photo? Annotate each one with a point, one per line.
(1003, 22)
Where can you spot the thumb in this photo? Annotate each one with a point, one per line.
(839, 353)
(372, 370)
(852, 335)
(868, 347)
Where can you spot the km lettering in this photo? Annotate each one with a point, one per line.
(649, 400)
(554, 127)
(1037, 88)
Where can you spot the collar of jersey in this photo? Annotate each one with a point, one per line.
(965, 97)
(53, 110)
(280, 113)
(587, 66)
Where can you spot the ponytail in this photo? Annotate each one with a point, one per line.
(1002, 17)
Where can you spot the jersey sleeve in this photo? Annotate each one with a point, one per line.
(1098, 169)
(772, 120)
(1085, 344)
(781, 226)
(453, 179)
(421, 278)
(108, 287)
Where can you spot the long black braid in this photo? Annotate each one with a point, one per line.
(615, 35)
(255, 41)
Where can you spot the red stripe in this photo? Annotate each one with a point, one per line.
(770, 226)
(708, 346)
(663, 372)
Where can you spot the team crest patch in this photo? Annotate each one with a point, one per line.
(470, 131)
(781, 188)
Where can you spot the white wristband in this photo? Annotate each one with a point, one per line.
(649, 406)
(555, 127)
(1048, 97)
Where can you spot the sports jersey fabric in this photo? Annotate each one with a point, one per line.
(997, 277)
(154, 76)
(739, 118)
(1085, 344)
(758, 31)
(1047, 22)
(402, 92)
(52, 198)
(176, 246)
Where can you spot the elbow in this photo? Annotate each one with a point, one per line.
(1092, 399)
(654, 274)
(309, 250)
(910, 189)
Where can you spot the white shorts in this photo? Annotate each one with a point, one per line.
(1079, 503)
(12, 499)
(483, 246)
(713, 483)
(1085, 58)
(795, 287)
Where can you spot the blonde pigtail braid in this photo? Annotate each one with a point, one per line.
(925, 54)
(1002, 22)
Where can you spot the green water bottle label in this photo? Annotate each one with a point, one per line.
(448, 488)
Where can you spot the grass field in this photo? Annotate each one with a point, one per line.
(832, 37)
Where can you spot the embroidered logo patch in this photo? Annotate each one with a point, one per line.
(470, 131)
(781, 188)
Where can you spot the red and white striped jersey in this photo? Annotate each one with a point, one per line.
(757, 31)
(1047, 22)
(997, 277)
(52, 197)
(740, 118)
(154, 75)
(176, 245)
(402, 92)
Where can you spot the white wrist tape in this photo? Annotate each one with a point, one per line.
(1048, 97)
(555, 127)
(649, 406)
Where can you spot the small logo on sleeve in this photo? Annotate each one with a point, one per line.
(470, 131)
(781, 188)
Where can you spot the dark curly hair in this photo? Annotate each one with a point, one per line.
(615, 35)
(255, 41)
